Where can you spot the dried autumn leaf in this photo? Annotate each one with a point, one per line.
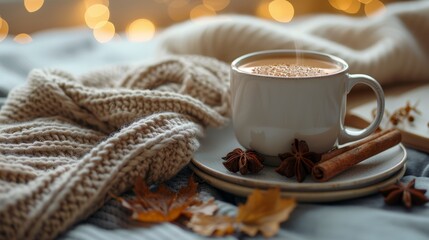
(263, 212)
(207, 208)
(162, 205)
(218, 225)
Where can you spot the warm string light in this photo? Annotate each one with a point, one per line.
(140, 30)
(201, 11)
(281, 10)
(4, 29)
(104, 33)
(278, 10)
(33, 5)
(89, 3)
(371, 7)
(178, 10)
(353, 8)
(216, 5)
(208, 8)
(97, 15)
(374, 7)
(23, 38)
(365, 1)
(262, 9)
(340, 4)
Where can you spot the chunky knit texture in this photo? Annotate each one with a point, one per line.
(66, 142)
(392, 46)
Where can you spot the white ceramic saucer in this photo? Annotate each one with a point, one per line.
(218, 142)
(314, 196)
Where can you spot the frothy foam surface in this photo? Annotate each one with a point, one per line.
(290, 67)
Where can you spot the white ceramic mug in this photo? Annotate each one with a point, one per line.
(269, 112)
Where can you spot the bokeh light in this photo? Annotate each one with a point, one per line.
(281, 10)
(365, 1)
(97, 15)
(262, 9)
(178, 10)
(4, 29)
(22, 38)
(354, 7)
(374, 7)
(201, 11)
(217, 5)
(89, 3)
(140, 30)
(341, 4)
(104, 33)
(33, 5)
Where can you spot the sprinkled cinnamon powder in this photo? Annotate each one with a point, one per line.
(288, 70)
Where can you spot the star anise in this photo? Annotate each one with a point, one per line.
(243, 161)
(408, 195)
(299, 162)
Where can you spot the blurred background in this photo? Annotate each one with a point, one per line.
(139, 20)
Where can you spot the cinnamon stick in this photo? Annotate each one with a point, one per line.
(338, 151)
(353, 154)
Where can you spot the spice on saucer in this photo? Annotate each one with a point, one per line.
(243, 161)
(407, 195)
(339, 160)
(299, 162)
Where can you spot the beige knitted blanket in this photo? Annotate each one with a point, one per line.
(391, 47)
(65, 142)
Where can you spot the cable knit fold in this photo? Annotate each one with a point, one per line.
(66, 141)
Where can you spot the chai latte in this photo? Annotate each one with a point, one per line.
(290, 67)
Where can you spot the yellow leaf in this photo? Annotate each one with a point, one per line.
(263, 212)
(207, 225)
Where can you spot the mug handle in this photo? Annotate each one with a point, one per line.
(348, 135)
